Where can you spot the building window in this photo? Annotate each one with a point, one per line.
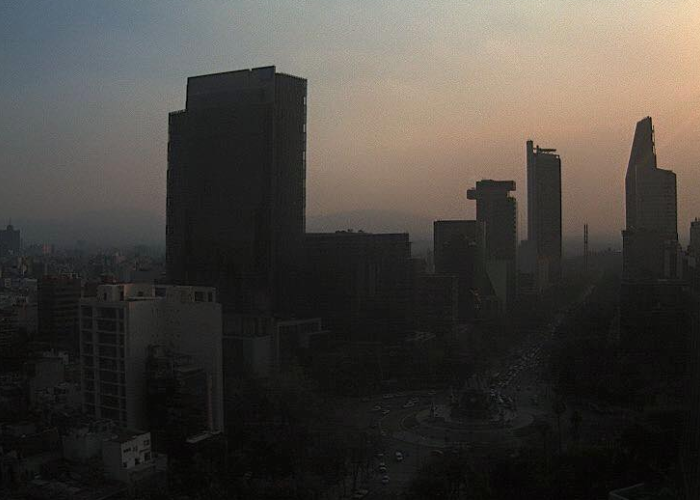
(107, 312)
(106, 325)
(108, 338)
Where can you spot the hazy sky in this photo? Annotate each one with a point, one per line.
(410, 102)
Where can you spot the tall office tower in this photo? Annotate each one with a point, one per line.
(359, 283)
(650, 240)
(236, 188)
(585, 248)
(459, 251)
(694, 246)
(544, 206)
(10, 241)
(57, 309)
(497, 210)
(120, 324)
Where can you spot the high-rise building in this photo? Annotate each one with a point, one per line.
(10, 241)
(694, 246)
(459, 247)
(497, 210)
(436, 304)
(650, 239)
(236, 188)
(57, 310)
(544, 206)
(359, 283)
(120, 324)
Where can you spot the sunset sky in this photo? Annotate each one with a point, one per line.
(410, 102)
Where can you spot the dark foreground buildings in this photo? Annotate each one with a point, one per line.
(460, 250)
(236, 187)
(359, 283)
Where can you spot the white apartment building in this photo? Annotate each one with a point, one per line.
(119, 324)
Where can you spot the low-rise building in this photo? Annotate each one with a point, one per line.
(127, 456)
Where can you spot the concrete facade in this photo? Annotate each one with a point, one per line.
(119, 325)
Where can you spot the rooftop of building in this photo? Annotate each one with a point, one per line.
(125, 435)
(250, 71)
(130, 292)
(198, 438)
(641, 491)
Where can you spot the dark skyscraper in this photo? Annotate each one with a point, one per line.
(544, 207)
(459, 251)
(651, 237)
(236, 187)
(58, 302)
(694, 245)
(497, 210)
(9, 241)
(358, 283)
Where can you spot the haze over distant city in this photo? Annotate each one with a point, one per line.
(410, 103)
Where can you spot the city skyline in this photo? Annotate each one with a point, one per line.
(372, 144)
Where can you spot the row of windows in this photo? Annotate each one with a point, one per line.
(104, 376)
(108, 401)
(110, 413)
(104, 338)
(105, 325)
(102, 312)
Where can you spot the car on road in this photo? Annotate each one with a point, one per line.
(385, 479)
(409, 404)
(376, 408)
(399, 456)
(360, 494)
(386, 412)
